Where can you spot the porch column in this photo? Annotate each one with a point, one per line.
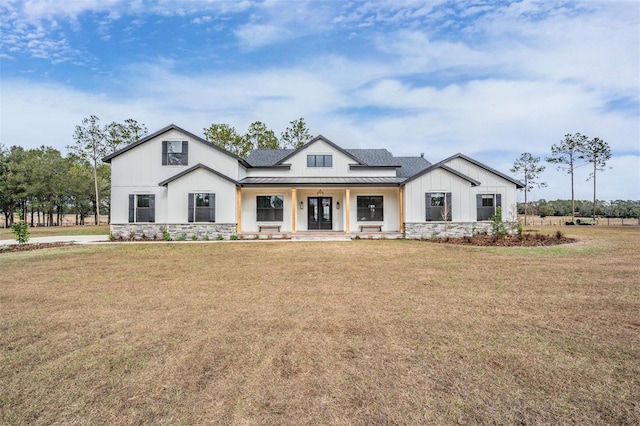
(401, 197)
(294, 209)
(347, 211)
(238, 209)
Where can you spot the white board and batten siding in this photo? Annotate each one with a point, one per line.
(490, 183)
(439, 180)
(140, 170)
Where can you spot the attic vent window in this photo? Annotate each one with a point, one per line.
(319, 160)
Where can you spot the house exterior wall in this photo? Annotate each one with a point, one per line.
(200, 181)
(249, 207)
(439, 180)
(490, 184)
(391, 205)
(139, 170)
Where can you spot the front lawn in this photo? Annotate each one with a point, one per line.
(348, 333)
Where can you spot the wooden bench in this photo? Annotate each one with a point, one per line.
(269, 228)
(370, 228)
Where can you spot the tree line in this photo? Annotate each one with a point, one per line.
(41, 185)
(626, 209)
(572, 152)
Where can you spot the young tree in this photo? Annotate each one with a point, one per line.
(118, 135)
(596, 152)
(527, 166)
(90, 145)
(114, 136)
(565, 154)
(133, 131)
(226, 137)
(296, 135)
(260, 137)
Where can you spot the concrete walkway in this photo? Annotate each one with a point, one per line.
(78, 239)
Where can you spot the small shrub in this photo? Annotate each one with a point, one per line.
(498, 227)
(519, 228)
(219, 237)
(166, 235)
(194, 237)
(357, 237)
(206, 237)
(182, 237)
(233, 237)
(20, 231)
(559, 234)
(111, 236)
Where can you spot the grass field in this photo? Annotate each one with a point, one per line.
(345, 333)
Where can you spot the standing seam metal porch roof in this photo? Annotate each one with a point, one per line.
(336, 181)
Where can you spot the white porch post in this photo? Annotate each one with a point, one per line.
(294, 210)
(347, 211)
(238, 209)
(401, 197)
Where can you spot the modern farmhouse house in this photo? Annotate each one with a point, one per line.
(175, 181)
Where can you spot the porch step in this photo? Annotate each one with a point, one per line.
(320, 236)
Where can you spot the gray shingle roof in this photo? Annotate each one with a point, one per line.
(374, 157)
(410, 166)
(267, 157)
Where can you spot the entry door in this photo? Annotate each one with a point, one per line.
(319, 213)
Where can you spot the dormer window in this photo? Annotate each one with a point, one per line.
(319, 160)
(175, 153)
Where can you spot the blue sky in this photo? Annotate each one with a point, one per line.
(490, 79)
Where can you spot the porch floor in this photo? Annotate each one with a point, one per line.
(320, 235)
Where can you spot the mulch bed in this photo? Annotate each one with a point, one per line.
(524, 240)
(32, 246)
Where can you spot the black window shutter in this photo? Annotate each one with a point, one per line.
(449, 206)
(132, 200)
(152, 208)
(212, 207)
(479, 207)
(164, 153)
(191, 205)
(498, 200)
(185, 153)
(428, 206)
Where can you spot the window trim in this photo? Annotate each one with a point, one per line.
(359, 217)
(192, 212)
(134, 209)
(497, 202)
(324, 160)
(278, 212)
(429, 208)
(184, 154)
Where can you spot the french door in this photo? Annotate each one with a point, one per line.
(320, 215)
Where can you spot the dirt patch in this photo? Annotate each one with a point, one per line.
(525, 240)
(30, 247)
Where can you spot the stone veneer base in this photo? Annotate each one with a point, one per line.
(213, 231)
(151, 231)
(422, 230)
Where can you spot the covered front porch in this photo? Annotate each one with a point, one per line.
(287, 211)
